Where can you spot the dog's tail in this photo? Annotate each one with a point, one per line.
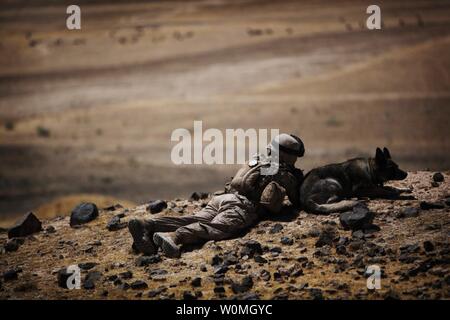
(341, 206)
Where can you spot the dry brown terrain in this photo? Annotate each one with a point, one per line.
(412, 252)
(110, 95)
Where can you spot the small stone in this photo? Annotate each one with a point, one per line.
(326, 237)
(438, 177)
(265, 275)
(427, 205)
(428, 246)
(198, 195)
(27, 225)
(147, 260)
(287, 241)
(139, 285)
(83, 213)
(219, 289)
(90, 279)
(10, 275)
(196, 282)
(113, 207)
(87, 265)
(316, 294)
(126, 275)
(221, 269)
(187, 295)
(251, 248)
(409, 212)
(357, 219)
(244, 286)
(114, 224)
(259, 259)
(276, 228)
(156, 206)
(13, 244)
(50, 229)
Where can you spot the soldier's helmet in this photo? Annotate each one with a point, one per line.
(288, 144)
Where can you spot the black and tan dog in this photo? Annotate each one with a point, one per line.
(328, 189)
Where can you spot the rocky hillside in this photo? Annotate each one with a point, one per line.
(298, 256)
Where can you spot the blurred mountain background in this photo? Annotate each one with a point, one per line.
(88, 114)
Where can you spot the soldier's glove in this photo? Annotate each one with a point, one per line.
(272, 197)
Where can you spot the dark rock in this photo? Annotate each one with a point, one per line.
(428, 205)
(27, 225)
(244, 286)
(409, 212)
(13, 244)
(50, 229)
(358, 234)
(113, 207)
(259, 259)
(216, 260)
(391, 295)
(90, 279)
(198, 195)
(428, 246)
(287, 241)
(187, 295)
(230, 259)
(276, 250)
(438, 177)
(139, 285)
(219, 289)
(10, 275)
(326, 237)
(124, 286)
(146, 260)
(276, 228)
(316, 294)
(357, 219)
(251, 248)
(341, 249)
(221, 269)
(196, 282)
(154, 293)
(126, 275)
(114, 224)
(87, 265)
(83, 213)
(410, 248)
(265, 275)
(405, 258)
(156, 206)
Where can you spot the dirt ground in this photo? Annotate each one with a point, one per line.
(92, 111)
(411, 252)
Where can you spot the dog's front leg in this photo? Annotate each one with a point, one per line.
(399, 190)
(376, 192)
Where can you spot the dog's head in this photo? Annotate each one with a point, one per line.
(385, 168)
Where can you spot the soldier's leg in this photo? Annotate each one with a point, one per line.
(234, 216)
(142, 230)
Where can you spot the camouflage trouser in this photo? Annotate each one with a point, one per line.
(223, 217)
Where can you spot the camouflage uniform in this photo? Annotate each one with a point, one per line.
(228, 214)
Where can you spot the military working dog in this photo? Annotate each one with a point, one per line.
(330, 188)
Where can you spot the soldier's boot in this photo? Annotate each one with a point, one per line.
(142, 233)
(167, 241)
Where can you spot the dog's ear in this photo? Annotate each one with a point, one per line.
(386, 152)
(380, 158)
